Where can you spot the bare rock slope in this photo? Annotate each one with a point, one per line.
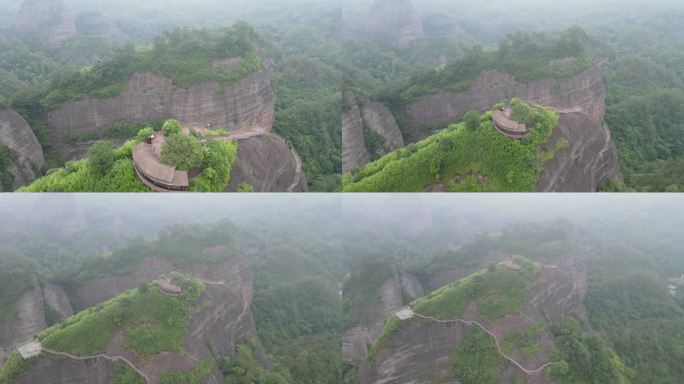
(30, 313)
(584, 91)
(421, 352)
(244, 104)
(268, 165)
(589, 162)
(215, 328)
(16, 135)
(372, 316)
(372, 116)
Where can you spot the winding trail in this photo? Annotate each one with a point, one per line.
(99, 356)
(298, 171)
(496, 342)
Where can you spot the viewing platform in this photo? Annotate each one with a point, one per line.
(167, 286)
(30, 349)
(506, 126)
(152, 172)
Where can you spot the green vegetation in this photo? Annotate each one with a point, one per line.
(498, 292)
(527, 56)
(217, 163)
(245, 188)
(202, 369)
(185, 56)
(524, 340)
(392, 326)
(309, 99)
(560, 145)
(6, 159)
(171, 127)
(454, 154)
(124, 374)
(645, 96)
(182, 151)
(145, 332)
(101, 157)
(471, 120)
(648, 132)
(79, 176)
(368, 273)
(297, 306)
(243, 368)
(15, 366)
(183, 245)
(476, 359)
(111, 170)
(639, 317)
(120, 130)
(584, 358)
(373, 141)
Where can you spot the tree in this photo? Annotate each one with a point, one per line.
(471, 120)
(101, 157)
(143, 288)
(171, 128)
(182, 151)
(145, 133)
(245, 187)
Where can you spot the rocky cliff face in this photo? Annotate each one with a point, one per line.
(421, 352)
(63, 371)
(215, 328)
(396, 21)
(372, 116)
(585, 92)
(30, 315)
(589, 162)
(50, 21)
(268, 165)
(247, 103)
(16, 135)
(372, 316)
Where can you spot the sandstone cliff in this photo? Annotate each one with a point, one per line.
(64, 371)
(30, 317)
(421, 352)
(268, 165)
(215, 328)
(372, 116)
(589, 162)
(245, 104)
(585, 91)
(49, 21)
(396, 21)
(16, 135)
(391, 296)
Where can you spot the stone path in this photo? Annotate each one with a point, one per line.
(99, 356)
(496, 342)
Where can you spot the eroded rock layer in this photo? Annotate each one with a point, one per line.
(586, 92)
(245, 104)
(422, 351)
(30, 313)
(17, 136)
(222, 320)
(372, 317)
(371, 116)
(588, 163)
(267, 164)
(64, 371)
